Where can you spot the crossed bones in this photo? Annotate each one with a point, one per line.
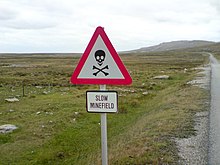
(100, 70)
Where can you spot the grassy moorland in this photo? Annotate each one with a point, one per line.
(54, 127)
(214, 49)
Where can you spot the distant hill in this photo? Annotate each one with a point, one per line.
(174, 45)
(213, 48)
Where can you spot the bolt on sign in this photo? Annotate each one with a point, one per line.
(100, 63)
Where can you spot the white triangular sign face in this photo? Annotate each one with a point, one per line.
(100, 63)
(106, 69)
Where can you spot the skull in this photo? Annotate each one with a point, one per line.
(100, 57)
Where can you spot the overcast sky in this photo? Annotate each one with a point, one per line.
(68, 25)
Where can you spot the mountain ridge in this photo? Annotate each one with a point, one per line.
(175, 45)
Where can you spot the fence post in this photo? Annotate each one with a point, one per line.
(23, 89)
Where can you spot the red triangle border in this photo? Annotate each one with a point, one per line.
(112, 81)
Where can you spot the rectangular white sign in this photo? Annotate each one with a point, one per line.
(102, 101)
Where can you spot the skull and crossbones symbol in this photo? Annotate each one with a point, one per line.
(100, 58)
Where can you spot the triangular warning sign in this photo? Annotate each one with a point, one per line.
(100, 63)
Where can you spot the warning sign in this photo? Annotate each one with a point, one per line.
(102, 101)
(100, 63)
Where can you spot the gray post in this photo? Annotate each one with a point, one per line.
(23, 89)
(104, 133)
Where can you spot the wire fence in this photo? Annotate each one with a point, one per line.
(31, 90)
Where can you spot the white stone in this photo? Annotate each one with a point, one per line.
(145, 93)
(7, 128)
(45, 92)
(39, 87)
(162, 77)
(12, 100)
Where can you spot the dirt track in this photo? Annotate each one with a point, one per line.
(214, 132)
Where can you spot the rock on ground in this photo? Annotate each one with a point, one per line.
(12, 100)
(7, 128)
(145, 93)
(162, 77)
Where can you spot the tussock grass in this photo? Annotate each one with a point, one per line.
(54, 128)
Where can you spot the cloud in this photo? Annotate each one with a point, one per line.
(31, 22)
(6, 14)
(27, 15)
(216, 5)
(67, 25)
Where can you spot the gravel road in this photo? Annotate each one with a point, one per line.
(194, 150)
(214, 132)
(204, 148)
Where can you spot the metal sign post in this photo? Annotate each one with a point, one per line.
(104, 133)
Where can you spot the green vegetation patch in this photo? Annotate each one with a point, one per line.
(54, 127)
